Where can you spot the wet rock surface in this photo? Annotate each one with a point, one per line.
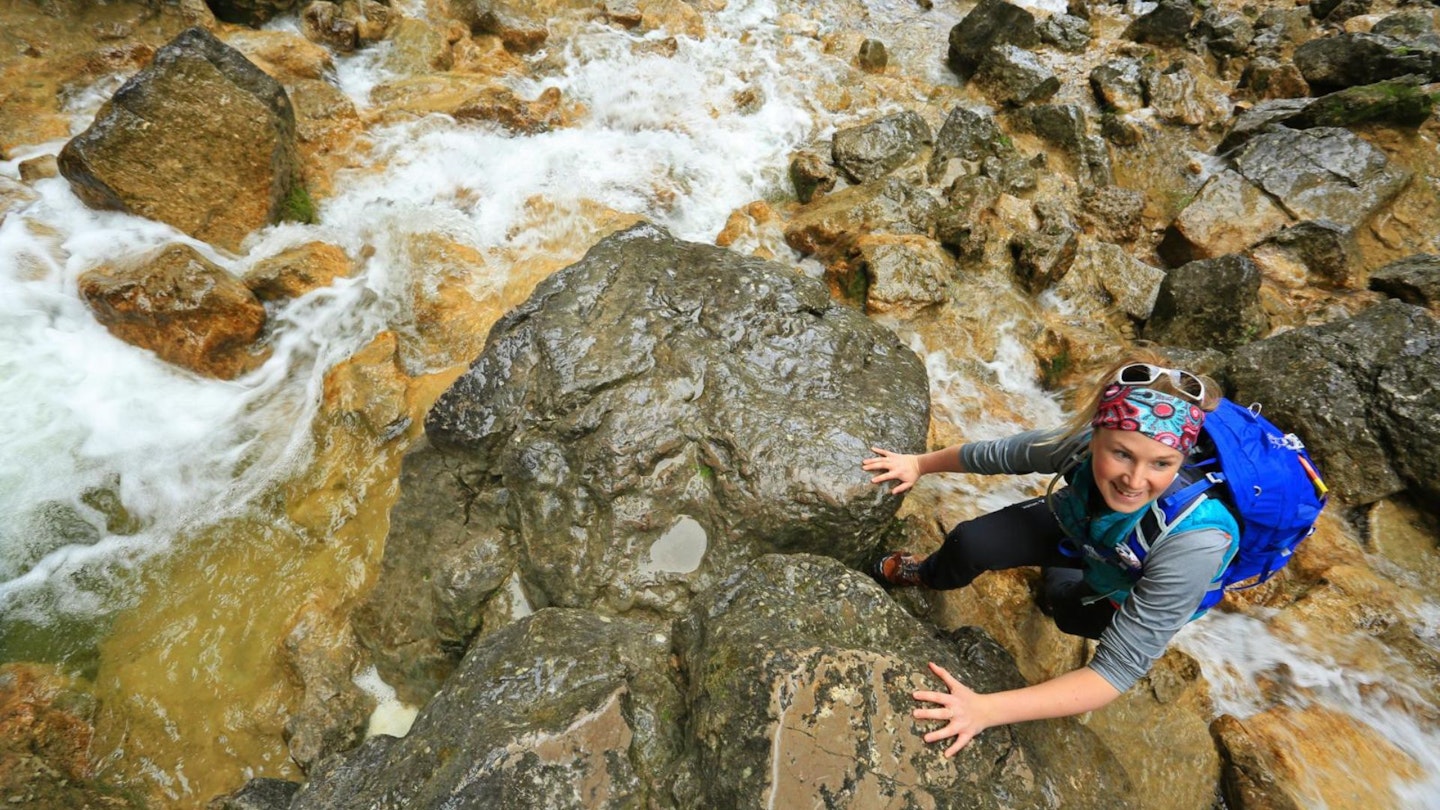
(1377, 371)
(184, 308)
(651, 418)
(1256, 179)
(789, 677)
(164, 126)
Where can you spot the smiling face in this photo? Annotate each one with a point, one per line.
(1130, 468)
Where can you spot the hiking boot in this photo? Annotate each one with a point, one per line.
(897, 568)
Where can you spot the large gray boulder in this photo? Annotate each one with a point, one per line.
(1322, 173)
(564, 709)
(800, 676)
(1209, 304)
(787, 684)
(1349, 59)
(200, 139)
(991, 23)
(652, 417)
(1363, 393)
(447, 555)
(875, 149)
(1015, 76)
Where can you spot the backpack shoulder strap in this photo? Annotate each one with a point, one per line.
(1182, 497)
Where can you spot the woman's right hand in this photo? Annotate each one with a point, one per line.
(901, 467)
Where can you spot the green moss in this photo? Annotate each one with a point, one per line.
(298, 207)
(857, 286)
(1056, 367)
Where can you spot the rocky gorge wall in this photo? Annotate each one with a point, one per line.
(1252, 188)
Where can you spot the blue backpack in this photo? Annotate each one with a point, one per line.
(1269, 484)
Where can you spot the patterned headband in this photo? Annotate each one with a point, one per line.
(1167, 419)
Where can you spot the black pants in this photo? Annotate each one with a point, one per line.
(1026, 533)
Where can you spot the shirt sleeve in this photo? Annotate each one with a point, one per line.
(1178, 572)
(1034, 451)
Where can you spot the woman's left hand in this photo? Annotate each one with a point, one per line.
(961, 708)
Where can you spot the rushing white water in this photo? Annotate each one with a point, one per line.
(87, 421)
(84, 413)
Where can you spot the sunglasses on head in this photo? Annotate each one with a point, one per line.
(1187, 385)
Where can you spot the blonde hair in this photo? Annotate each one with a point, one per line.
(1080, 422)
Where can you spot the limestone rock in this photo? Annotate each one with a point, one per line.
(1345, 60)
(1118, 85)
(800, 677)
(1067, 32)
(989, 24)
(1012, 75)
(201, 139)
(564, 709)
(969, 136)
(1210, 303)
(284, 56)
(1181, 95)
(872, 56)
(1326, 250)
(1228, 215)
(812, 174)
(1397, 102)
(320, 651)
(449, 534)
(417, 49)
(872, 150)
(1107, 276)
(468, 98)
(656, 413)
(1267, 78)
(1043, 257)
(1293, 758)
(1067, 127)
(45, 736)
(187, 310)
(1167, 24)
(829, 226)
(1225, 32)
(905, 273)
(1413, 279)
(258, 794)
(1322, 173)
(298, 270)
(1113, 213)
(1369, 432)
(249, 12)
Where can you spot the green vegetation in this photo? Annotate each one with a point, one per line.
(1055, 368)
(298, 207)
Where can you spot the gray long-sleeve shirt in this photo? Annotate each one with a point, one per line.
(1177, 571)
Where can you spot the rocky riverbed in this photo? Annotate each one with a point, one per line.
(532, 350)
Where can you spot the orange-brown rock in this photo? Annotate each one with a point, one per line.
(1286, 759)
(1408, 537)
(327, 126)
(417, 49)
(186, 309)
(45, 735)
(470, 98)
(285, 56)
(201, 139)
(294, 272)
(1167, 715)
(370, 388)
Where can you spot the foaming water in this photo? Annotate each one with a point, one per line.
(111, 454)
(1251, 669)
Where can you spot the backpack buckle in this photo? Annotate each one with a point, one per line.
(1215, 477)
